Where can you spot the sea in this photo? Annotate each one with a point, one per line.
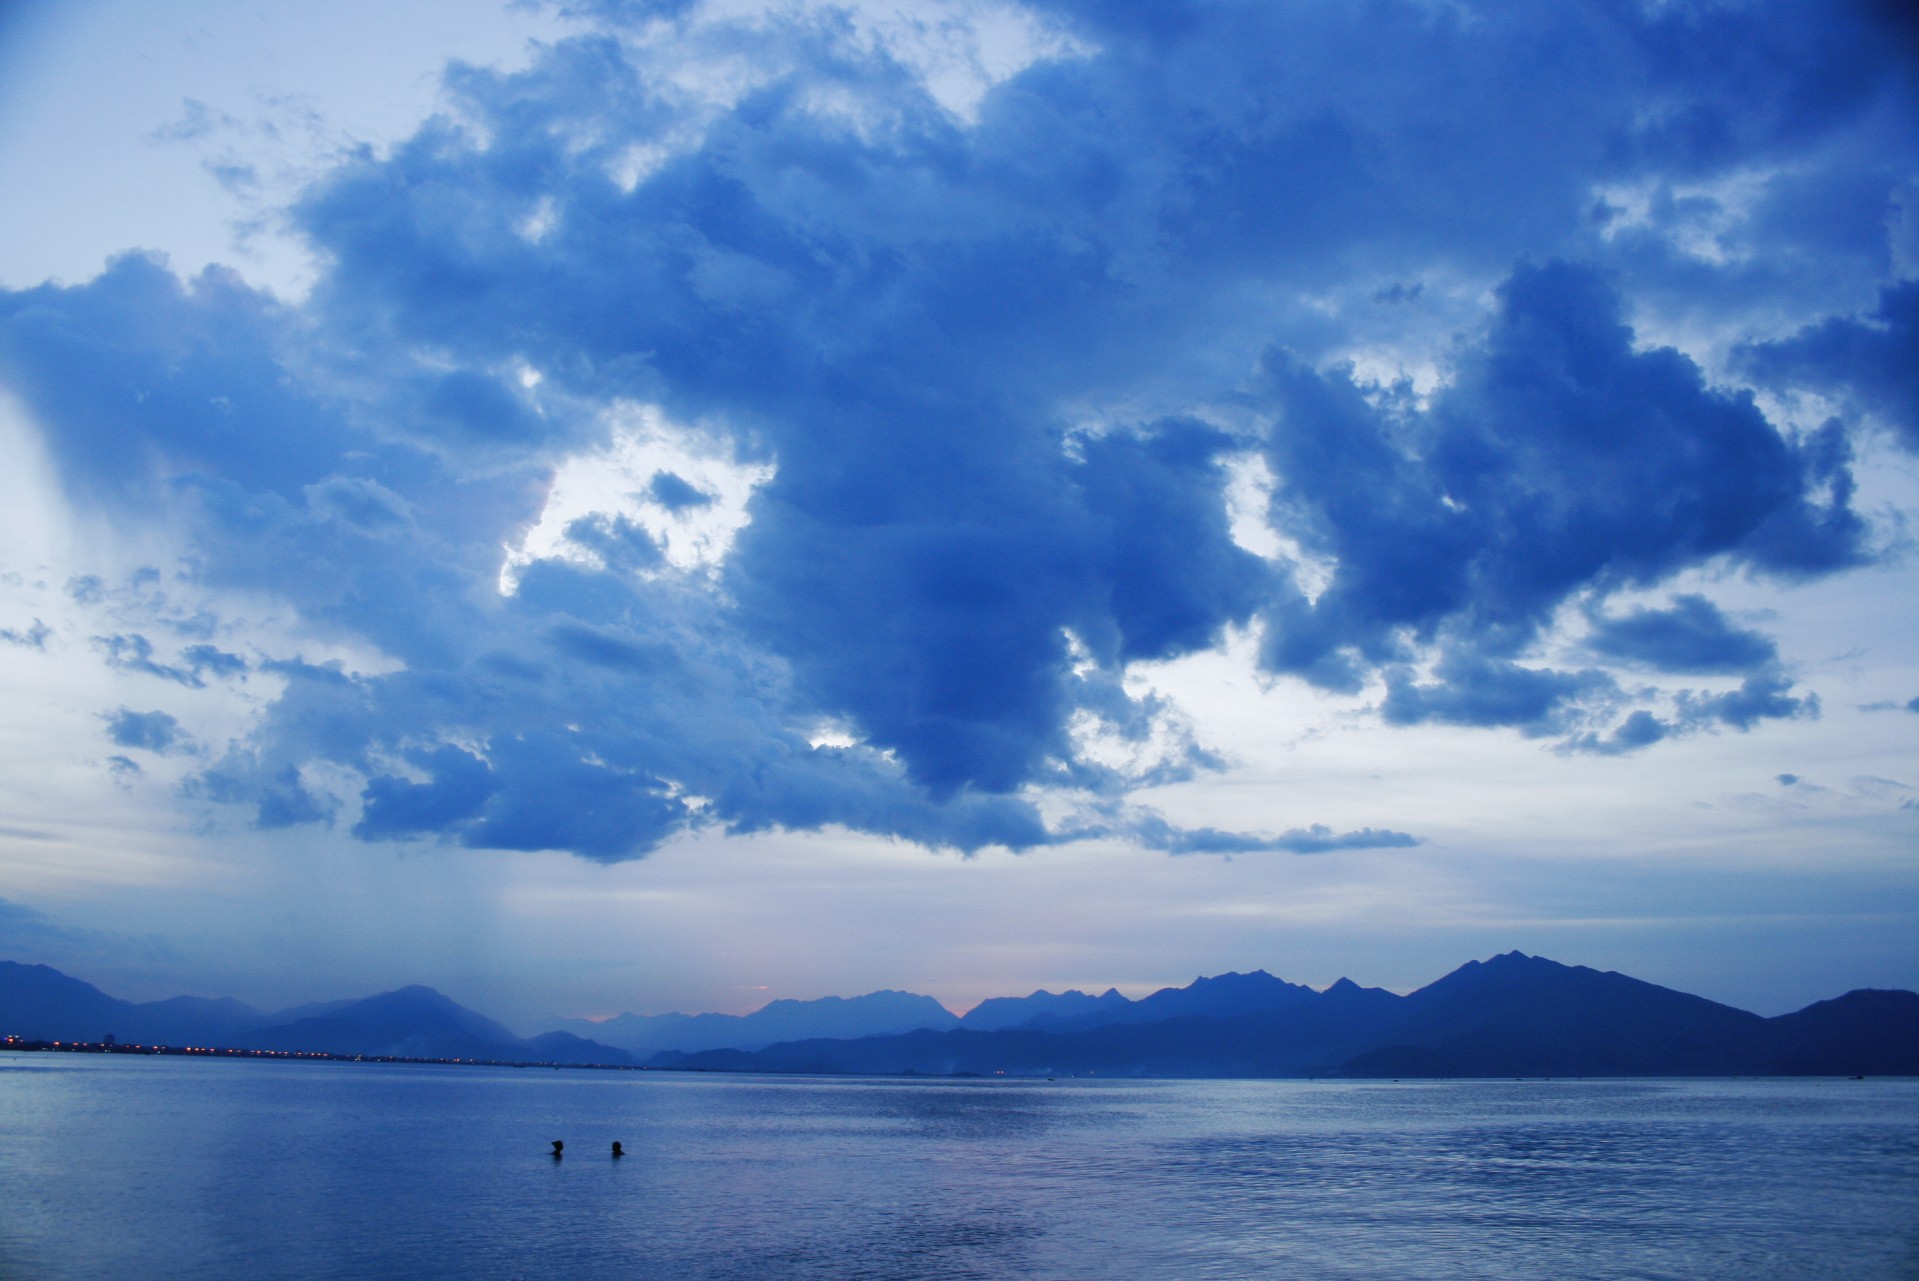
(122, 1165)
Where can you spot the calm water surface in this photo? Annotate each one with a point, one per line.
(110, 1166)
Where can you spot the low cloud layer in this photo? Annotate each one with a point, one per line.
(951, 407)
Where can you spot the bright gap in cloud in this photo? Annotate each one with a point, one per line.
(670, 481)
(967, 50)
(960, 50)
(1167, 739)
(1704, 220)
(833, 734)
(1249, 498)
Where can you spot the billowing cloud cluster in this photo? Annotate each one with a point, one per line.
(946, 402)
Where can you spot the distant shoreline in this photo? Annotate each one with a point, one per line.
(315, 1056)
(223, 1052)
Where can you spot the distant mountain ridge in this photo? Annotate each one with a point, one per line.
(1511, 1015)
(38, 1002)
(879, 1013)
(1221, 995)
(1042, 1008)
(418, 1022)
(890, 1013)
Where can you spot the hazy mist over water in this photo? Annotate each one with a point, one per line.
(350, 1170)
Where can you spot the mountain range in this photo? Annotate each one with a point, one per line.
(875, 1014)
(38, 1002)
(1511, 1015)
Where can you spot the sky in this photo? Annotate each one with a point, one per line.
(604, 505)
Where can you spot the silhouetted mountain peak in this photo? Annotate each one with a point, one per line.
(1510, 969)
(1511, 962)
(413, 1021)
(40, 1001)
(1231, 978)
(414, 1001)
(564, 1047)
(1228, 993)
(25, 976)
(1345, 994)
(39, 971)
(1868, 998)
(417, 994)
(1044, 1009)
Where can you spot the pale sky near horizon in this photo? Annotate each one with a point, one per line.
(669, 504)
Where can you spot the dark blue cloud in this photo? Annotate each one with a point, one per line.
(1731, 80)
(998, 372)
(150, 731)
(937, 612)
(1154, 832)
(676, 493)
(148, 377)
(457, 787)
(286, 801)
(1764, 695)
(280, 798)
(1760, 697)
(1560, 461)
(1871, 361)
(467, 405)
(1638, 731)
(608, 648)
(34, 637)
(135, 653)
(211, 659)
(623, 12)
(1473, 690)
(366, 505)
(550, 798)
(1692, 636)
(619, 543)
(533, 791)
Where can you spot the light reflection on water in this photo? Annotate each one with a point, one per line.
(318, 1170)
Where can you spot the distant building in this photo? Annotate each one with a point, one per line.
(107, 1039)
